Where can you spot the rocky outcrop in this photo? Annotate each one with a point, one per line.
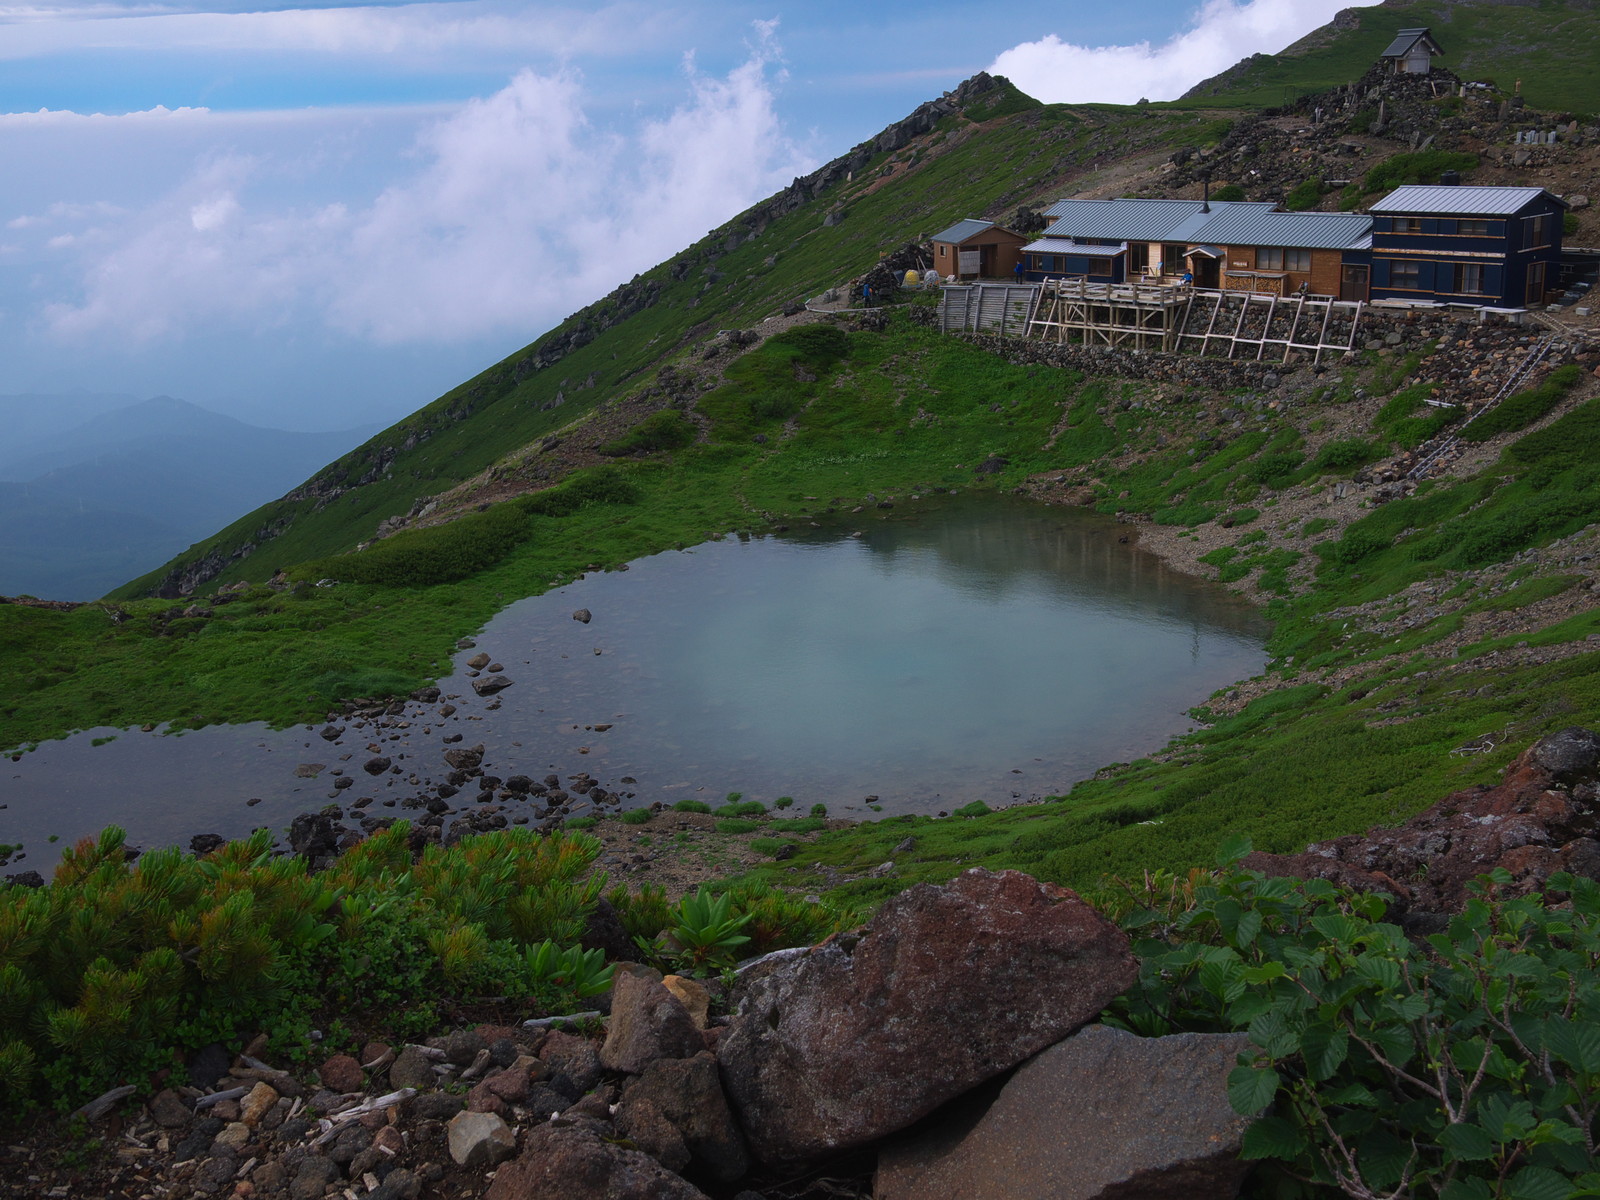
(946, 987)
(1540, 819)
(1102, 1115)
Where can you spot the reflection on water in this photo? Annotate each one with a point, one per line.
(981, 650)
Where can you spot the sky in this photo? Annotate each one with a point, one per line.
(325, 215)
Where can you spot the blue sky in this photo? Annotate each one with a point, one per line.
(326, 214)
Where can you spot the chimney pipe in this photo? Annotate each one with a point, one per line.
(1205, 204)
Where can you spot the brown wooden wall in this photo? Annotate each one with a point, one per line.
(1323, 277)
(1006, 252)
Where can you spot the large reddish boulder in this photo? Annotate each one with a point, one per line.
(945, 988)
(1538, 820)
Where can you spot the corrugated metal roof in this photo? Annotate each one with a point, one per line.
(1407, 38)
(1443, 200)
(1050, 245)
(1135, 220)
(962, 230)
(1297, 230)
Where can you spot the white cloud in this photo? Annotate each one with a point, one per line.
(423, 31)
(509, 214)
(1223, 32)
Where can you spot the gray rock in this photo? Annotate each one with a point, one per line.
(314, 1175)
(857, 1038)
(479, 1140)
(412, 1070)
(490, 684)
(1571, 754)
(577, 1163)
(462, 1046)
(1102, 1115)
(573, 1058)
(169, 1111)
(583, 614)
(647, 1023)
(686, 1094)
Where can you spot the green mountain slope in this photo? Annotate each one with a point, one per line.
(980, 152)
(1550, 45)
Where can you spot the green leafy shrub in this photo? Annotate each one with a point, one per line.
(1565, 442)
(1345, 454)
(1275, 470)
(1458, 1066)
(1421, 167)
(636, 816)
(818, 342)
(1522, 409)
(704, 931)
(1228, 193)
(1304, 196)
(582, 972)
(736, 825)
(664, 430)
(698, 806)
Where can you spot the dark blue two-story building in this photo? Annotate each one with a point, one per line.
(1487, 246)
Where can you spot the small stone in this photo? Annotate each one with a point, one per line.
(168, 1111)
(234, 1135)
(257, 1102)
(584, 615)
(478, 661)
(341, 1073)
(480, 1140)
(413, 1070)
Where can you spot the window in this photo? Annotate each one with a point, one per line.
(1473, 228)
(1468, 279)
(1269, 258)
(1172, 259)
(1533, 231)
(1535, 283)
(944, 251)
(1138, 256)
(1405, 224)
(1405, 275)
(1297, 260)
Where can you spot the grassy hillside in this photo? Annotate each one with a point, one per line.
(1549, 45)
(960, 168)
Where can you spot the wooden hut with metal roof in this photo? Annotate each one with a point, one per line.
(974, 249)
(1454, 244)
(1412, 52)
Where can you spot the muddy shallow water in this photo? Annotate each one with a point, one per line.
(939, 653)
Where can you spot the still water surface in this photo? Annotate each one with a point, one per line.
(978, 649)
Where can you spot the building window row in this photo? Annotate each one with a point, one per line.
(1282, 258)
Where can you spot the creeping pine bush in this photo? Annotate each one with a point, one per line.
(1463, 1066)
(109, 972)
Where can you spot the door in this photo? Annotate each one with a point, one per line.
(1354, 280)
(1207, 272)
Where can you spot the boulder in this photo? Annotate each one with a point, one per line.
(479, 1140)
(1102, 1115)
(686, 1094)
(464, 760)
(647, 1023)
(490, 684)
(575, 1163)
(478, 661)
(946, 987)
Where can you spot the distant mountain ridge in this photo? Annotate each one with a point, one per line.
(85, 503)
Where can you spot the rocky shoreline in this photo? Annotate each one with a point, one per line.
(816, 1073)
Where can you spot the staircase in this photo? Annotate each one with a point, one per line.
(1537, 353)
